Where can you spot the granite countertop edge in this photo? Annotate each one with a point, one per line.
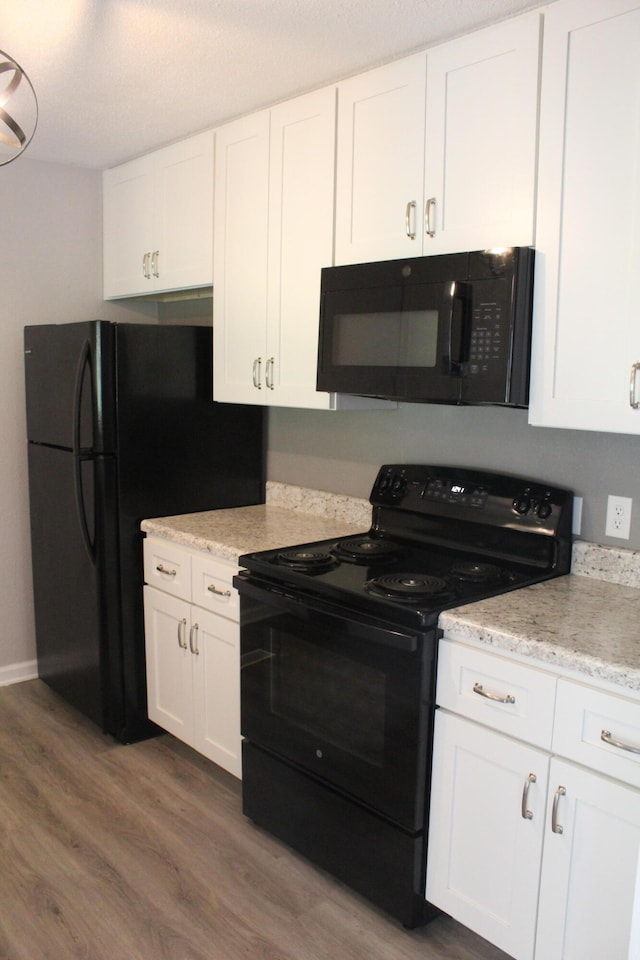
(587, 622)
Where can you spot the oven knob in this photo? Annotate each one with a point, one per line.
(544, 510)
(522, 505)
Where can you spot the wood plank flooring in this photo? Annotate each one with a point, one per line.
(142, 853)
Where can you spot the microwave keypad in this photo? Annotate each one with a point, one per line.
(486, 337)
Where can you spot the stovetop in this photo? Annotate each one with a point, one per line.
(440, 537)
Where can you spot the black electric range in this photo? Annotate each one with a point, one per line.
(338, 643)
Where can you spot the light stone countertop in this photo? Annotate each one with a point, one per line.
(576, 623)
(587, 623)
(291, 515)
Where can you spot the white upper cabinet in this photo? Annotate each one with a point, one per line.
(158, 220)
(481, 129)
(436, 152)
(586, 337)
(380, 165)
(273, 234)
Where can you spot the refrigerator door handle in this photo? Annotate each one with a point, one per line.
(84, 367)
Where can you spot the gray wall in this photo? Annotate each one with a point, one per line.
(341, 452)
(50, 271)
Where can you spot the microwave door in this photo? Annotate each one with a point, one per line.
(431, 313)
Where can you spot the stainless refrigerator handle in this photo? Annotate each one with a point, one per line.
(84, 366)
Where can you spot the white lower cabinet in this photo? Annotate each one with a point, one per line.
(532, 850)
(193, 653)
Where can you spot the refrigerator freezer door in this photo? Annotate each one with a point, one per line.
(69, 377)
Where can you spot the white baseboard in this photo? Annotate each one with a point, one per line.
(17, 672)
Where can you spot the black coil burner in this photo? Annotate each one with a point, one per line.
(408, 587)
(365, 550)
(310, 561)
(472, 571)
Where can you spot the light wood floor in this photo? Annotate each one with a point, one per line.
(141, 853)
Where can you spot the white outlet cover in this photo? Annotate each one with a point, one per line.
(618, 523)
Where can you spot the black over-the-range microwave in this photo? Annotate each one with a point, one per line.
(454, 328)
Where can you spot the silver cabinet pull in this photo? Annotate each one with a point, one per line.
(526, 813)
(410, 229)
(620, 744)
(268, 373)
(430, 217)
(155, 260)
(219, 593)
(145, 266)
(498, 698)
(193, 639)
(182, 643)
(162, 569)
(633, 398)
(257, 373)
(555, 826)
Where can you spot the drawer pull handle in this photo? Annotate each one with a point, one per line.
(182, 643)
(526, 813)
(193, 639)
(606, 736)
(555, 826)
(219, 593)
(507, 698)
(168, 573)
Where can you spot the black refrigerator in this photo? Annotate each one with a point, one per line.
(121, 426)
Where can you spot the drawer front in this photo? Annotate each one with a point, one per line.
(212, 586)
(598, 729)
(167, 567)
(506, 695)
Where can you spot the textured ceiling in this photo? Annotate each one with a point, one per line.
(115, 78)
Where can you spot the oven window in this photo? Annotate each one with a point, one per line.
(399, 338)
(338, 700)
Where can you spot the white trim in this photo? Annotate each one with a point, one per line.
(17, 672)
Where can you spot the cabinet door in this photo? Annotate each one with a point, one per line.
(589, 870)
(240, 260)
(586, 334)
(483, 855)
(128, 202)
(215, 645)
(169, 685)
(380, 166)
(301, 195)
(482, 114)
(183, 233)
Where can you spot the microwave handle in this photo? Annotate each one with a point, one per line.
(457, 294)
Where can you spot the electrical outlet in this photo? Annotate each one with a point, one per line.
(618, 517)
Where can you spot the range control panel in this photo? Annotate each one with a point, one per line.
(482, 496)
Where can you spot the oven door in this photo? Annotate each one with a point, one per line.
(344, 697)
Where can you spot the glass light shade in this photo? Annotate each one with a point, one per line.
(18, 109)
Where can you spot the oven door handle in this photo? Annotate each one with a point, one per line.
(304, 607)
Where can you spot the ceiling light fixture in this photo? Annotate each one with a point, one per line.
(18, 109)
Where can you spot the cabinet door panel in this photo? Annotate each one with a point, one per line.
(216, 679)
(380, 162)
(586, 332)
(240, 259)
(184, 214)
(300, 242)
(589, 871)
(128, 227)
(482, 112)
(483, 859)
(169, 685)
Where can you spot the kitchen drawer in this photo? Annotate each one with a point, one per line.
(167, 566)
(211, 585)
(583, 715)
(510, 697)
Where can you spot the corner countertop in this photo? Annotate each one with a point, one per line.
(576, 623)
(291, 515)
(587, 622)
